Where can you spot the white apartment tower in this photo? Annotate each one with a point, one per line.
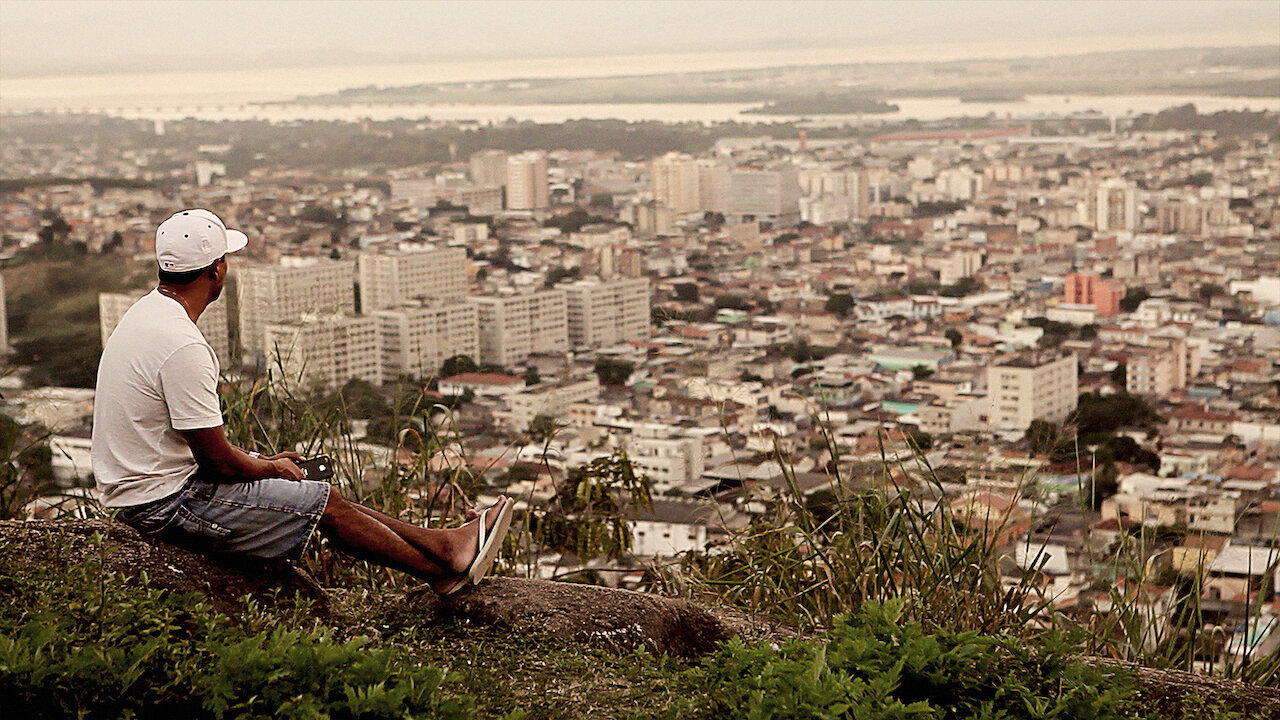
(1111, 205)
(513, 327)
(527, 184)
(409, 274)
(713, 186)
(1032, 387)
(417, 339)
(675, 182)
(607, 312)
(324, 351)
(284, 293)
(4, 321)
(212, 322)
(765, 195)
(489, 167)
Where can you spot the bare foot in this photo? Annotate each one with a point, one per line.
(464, 550)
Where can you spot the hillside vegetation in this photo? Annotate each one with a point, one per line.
(84, 633)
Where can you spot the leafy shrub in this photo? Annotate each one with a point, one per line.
(97, 648)
(876, 666)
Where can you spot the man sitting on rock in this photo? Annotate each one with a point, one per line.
(161, 456)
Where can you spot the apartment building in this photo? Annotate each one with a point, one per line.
(546, 399)
(1110, 205)
(4, 321)
(513, 327)
(284, 293)
(1032, 387)
(668, 461)
(411, 273)
(1166, 364)
(212, 323)
(607, 312)
(489, 167)
(527, 184)
(416, 339)
(765, 195)
(1092, 289)
(675, 182)
(324, 351)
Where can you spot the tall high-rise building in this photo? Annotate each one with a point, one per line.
(1032, 387)
(513, 327)
(284, 293)
(713, 186)
(489, 167)
(324, 351)
(828, 195)
(675, 182)
(765, 195)
(4, 321)
(607, 312)
(212, 322)
(1111, 205)
(416, 339)
(407, 273)
(527, 185)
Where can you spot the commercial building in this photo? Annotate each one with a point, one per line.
(513, 327)
(284, 293)
(212, 323)
(527, 184)
(324, 351)
(1030, 387)
(410, 273)
(765, 195)
(416, 339)
(607, 312)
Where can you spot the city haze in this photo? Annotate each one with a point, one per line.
(77, 38)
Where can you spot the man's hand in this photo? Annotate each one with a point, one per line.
(290, 455)
(283, 466)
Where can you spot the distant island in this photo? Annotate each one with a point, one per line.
(822, 104)
(858, 87)
(992, 96)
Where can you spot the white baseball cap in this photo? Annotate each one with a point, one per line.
(194, 239)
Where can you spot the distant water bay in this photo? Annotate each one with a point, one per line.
(909, 108)
(234, 95)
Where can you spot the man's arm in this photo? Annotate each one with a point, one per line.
(214, 453)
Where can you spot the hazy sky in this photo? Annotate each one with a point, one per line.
(78, 36)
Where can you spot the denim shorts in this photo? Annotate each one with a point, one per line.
(269, 518)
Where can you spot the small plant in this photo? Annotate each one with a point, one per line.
(93, 646)
(877, 665)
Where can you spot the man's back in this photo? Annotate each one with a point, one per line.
(157, 375)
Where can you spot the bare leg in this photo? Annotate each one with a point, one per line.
(413, 534)
(432, 555)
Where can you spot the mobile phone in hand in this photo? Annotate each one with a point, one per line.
(317, 468)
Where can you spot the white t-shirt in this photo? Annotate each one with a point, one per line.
(157, 375)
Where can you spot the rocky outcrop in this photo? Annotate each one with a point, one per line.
(613, 619)
(123, 552)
